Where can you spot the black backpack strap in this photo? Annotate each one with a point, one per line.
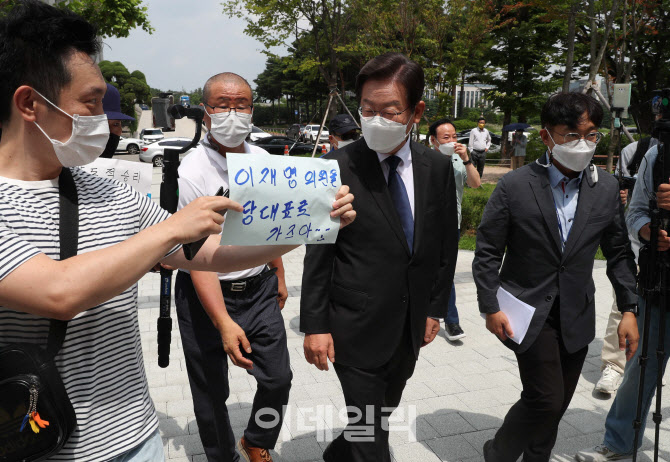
(69, 240)
(640, 151)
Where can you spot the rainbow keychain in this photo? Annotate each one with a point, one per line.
(32, 416)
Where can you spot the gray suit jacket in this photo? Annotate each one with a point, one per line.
(520, 223)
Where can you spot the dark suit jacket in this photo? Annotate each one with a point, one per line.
(365, 288)
(520, 223)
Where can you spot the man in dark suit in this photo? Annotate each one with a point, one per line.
(368, 301)
(547, 219)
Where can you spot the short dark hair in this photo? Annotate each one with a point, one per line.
(432, 131)
(394, 67)
(36, 41)
(481, 118)
(568, 109)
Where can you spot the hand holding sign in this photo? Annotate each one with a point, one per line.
(286, 200)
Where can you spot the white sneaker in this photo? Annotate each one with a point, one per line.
(609, 381)
(599, 454)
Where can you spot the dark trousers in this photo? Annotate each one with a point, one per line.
(549, 375)
(451, 316)
(377, 390)
(257, 312)
(478, 160)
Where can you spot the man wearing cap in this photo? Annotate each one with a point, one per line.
(343, 130)
(111, 104)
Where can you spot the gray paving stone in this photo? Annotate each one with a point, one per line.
(449, 424)
(413, 452)
(450, 448)
(184, 446)
(180, 408)
(303, 449)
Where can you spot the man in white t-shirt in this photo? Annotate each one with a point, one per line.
(52, 117)
(229, 312)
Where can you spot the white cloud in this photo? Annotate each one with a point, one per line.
(192, 41)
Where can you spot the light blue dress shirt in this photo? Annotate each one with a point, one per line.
(638, 210)
(566, 196)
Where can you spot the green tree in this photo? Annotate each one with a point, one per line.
(275, 22)
(132, 87)
(114, 18)
(269, 83)
(519, 65)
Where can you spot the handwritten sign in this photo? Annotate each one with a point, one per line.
(136, 174)
(286, 200)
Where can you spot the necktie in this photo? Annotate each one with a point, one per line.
(401, 200)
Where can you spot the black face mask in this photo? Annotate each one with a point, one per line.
(112, 144)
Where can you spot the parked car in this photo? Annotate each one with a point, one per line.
(130, 145)
(256, 134)
(295, 131)
(154, 152)
(151, 135)
(144, 107)
(311, 132)
(276, 145)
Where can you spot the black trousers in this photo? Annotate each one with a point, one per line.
(478, 160)
(549, 375)
(257, 312)
(374, 393)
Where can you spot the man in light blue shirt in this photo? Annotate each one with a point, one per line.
(618, 442)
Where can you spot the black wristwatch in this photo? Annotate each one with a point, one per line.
(629, 309)
(467, 162)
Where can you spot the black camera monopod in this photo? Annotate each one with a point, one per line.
(654, 282)
(169, 201)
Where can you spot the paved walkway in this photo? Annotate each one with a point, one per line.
(460, 391)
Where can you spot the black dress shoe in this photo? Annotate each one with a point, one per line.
(454, 332)
(487, 451)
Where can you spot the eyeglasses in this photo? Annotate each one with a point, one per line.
(593, 137)
(351, 135)
(228, 110)
(388, 113)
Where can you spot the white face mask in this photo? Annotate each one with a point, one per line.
(89, 138)
(447, 148)
(230, 129)
(575, 155)
(343, 143)
(382, 135)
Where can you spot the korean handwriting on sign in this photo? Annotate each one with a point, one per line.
(268, 176)
(285, 200)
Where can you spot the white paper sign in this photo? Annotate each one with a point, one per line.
(286, 200)
(136, 174)
(518, 313)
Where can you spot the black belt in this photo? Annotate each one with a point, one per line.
(240, 285)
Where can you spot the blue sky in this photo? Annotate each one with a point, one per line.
(192, 41)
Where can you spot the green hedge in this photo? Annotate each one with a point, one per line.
(472, 208)
(464, 124)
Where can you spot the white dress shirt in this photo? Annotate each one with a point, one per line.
(480, 139)
(202, 173)
(404, 170)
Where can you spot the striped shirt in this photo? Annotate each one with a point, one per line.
(101, 359)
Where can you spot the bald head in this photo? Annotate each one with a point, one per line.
(227, 80)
